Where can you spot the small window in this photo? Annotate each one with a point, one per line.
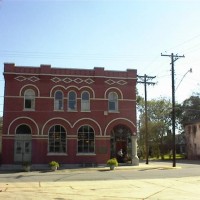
(85, 101)
(29, 100)
(23, 129)
(57, 139)
(85, 140)
(72, 101)
(189, 129)
(58, 100)
(113, 102)
(194, 129)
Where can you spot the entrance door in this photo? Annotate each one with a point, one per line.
(22, 150)
(121, 146)
(121, 142)
(23, 140)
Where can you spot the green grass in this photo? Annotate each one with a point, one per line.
(167, 157)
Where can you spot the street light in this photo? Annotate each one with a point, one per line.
(190, 70)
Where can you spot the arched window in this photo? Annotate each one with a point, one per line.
(23, 129)
(58, 100)
(29, 100)
(72, 101)
(85, 101)
(112, 102)
(57, 139)
(85, 139)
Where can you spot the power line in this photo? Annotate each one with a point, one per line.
(186, 41)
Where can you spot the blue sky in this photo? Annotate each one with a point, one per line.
(116, 35)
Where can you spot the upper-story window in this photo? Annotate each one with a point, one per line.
(85, 101)
(72, 104)
(58, 100)
(112, 102)
(29, 100)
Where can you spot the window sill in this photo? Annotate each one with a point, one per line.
(85, 110)
(58, 110)
(29, 109)
(113, 111)
(57, 154)
(86, 154)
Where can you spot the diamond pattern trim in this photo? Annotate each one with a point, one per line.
(69, 80)
(23, 78)
(111, 82)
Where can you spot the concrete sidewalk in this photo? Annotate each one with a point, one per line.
(142, 165)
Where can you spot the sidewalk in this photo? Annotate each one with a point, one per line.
(142, 165)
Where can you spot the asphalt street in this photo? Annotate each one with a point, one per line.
(158, 180)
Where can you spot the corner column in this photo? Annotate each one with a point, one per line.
(134, 157)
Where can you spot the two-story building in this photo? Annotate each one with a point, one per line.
(192, 136)
(73, 116)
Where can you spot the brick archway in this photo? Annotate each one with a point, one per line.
(120, 140)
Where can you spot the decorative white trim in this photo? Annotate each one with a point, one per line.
(51, 91)
(90, 120)
(61, 75)
(20, 78)
(55, 118)
(26, 125)
(23, 78)
(111, 82)
(28, 85)
(23, 117)
(116, 120)
(69, 80)
(113, 89)
(71, 88)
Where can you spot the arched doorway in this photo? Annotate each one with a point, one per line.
(22, 151)
(120, 140)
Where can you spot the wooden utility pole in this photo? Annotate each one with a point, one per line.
(173, 59)
(145, 80)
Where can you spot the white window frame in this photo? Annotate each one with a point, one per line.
(113, 102)
(52, 141)
(85, 102)
(29, 97)
(58, 102)
(72, 102)
(86, 139)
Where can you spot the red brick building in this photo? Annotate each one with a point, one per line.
(73, 116)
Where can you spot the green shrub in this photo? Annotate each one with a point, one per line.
(54, 163)
(112, 161)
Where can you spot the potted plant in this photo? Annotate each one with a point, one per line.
(112, 163)
(26, 166)
(54, 165)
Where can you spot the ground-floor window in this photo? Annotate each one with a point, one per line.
(86, 139)
(57, 139)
